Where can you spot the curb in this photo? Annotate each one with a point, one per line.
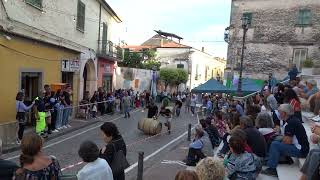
(52, 136)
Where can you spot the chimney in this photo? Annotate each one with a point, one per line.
(202, 49)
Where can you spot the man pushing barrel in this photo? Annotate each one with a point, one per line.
(166, 111)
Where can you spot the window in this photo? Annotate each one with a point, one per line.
(105, 38)
(35, 3)
(81, 16)
(299, 55)
(180, 66)
(304, 18)
(248, 15)
(197, 71)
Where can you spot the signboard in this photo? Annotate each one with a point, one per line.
(70, 65)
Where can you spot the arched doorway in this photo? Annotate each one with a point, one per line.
(89, 77)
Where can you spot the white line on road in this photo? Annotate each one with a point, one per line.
(78, 134)
(156, 152)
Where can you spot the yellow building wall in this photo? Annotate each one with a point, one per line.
(12, 63)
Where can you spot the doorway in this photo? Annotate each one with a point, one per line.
(89, 77)
(31, 84)
(107, 83)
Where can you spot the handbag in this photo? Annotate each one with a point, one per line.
(119, 162)
(20, 116)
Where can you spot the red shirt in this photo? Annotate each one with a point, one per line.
(295, 104)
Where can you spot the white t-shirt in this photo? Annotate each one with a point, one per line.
(97, 170)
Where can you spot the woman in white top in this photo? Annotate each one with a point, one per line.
(96, 168)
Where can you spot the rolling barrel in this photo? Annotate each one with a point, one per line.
(150, 126)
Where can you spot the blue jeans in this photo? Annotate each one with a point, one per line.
(66, 114)
(59, 116)
(278, 149)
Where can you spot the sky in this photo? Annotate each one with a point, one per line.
(200, 22)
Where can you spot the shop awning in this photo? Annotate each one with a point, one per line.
(248, 85)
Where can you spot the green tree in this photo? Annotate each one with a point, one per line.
(182, 77)
(168, 76)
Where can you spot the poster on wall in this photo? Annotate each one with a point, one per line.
(70, 65)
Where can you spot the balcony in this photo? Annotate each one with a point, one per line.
(109, 50)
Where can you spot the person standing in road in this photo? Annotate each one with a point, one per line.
(188, 103)
(114, 143)
(40, 115)
(153, 110)
(126, 101)
(34, 163)
(193, 104)
(49, 106)
(21, 109)
(95, 168)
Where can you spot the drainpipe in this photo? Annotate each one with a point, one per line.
(99, 29)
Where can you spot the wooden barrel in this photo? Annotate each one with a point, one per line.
(150, 126)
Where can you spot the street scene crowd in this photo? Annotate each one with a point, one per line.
(263, 131)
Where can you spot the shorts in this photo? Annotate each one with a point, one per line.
(48, 114)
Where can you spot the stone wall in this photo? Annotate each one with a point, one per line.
(273, 35)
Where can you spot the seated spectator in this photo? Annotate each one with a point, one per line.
(235, 124)
(314, 103)
(294, 143)
(239, 164)
(254, 138)
(219, 123)
(7, 168)
(265, 126)
(310, 169)
(294, 101)
(212, 132)
(271, 100)
(210, 168)
(186, 175)
(279, 95)
(239, 108)
(311, 89)
(253, 111)
(196, 147)
(34, 164)
(96, 168)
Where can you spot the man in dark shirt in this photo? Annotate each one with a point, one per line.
(67, 106)
(178, 107)
(254, 138)
(153, 110)
(7, 168)
(294, 143)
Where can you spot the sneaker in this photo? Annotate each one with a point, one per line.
(270, 172)
(18, 141)
(64, 127)
(68, 126)
(55, 131)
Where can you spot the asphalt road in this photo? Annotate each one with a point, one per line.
(155, 148)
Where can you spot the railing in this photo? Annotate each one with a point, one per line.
(108, 49)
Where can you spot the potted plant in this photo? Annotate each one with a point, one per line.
(307, 68)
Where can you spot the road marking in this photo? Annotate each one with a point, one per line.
(156, 152)
(75, 135)
(173, 162)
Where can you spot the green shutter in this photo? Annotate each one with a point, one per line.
(304, 17)
(249, 16)
(81, 16)
(35, 3)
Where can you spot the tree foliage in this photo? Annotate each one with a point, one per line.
(168, 76)
(173, 76)
(142, 60)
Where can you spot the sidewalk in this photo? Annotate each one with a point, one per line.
(76, 124)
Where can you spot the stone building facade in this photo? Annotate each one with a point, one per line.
(281, 33)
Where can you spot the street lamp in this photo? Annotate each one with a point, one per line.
(245, 27)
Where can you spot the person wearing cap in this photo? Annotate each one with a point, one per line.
(311, 89)
(294, 142)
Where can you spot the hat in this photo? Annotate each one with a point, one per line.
(312, 82)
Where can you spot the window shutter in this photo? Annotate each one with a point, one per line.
(304, 17)
(81, 16)
(248, 15)
(36, 3)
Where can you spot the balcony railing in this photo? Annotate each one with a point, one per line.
(107, 49)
